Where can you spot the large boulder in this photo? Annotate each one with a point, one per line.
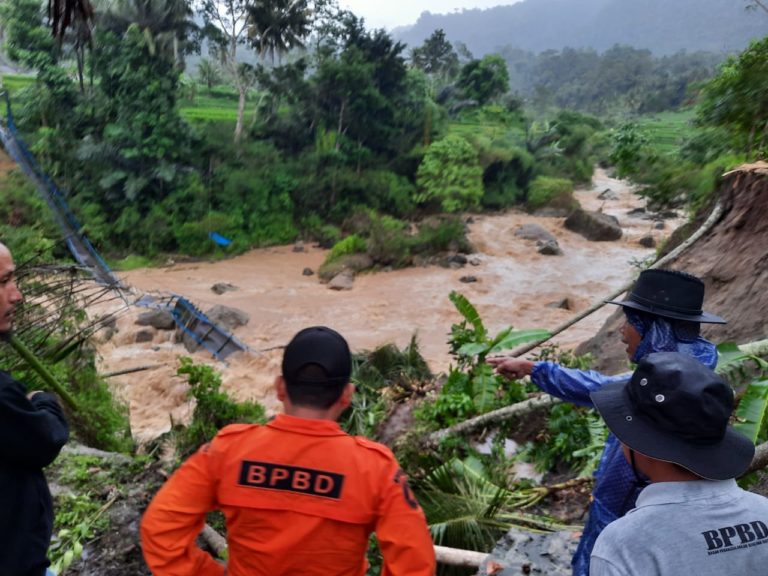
(534, 232)
(224, 317)
(344, 280)
(158, 319)
(594, 226)
(353, 262)
(523, 552)
(549, 248)
(227, 317)
(222, 287)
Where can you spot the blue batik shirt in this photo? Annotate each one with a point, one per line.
(616, 486)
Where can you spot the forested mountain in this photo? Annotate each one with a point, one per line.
(663, 26)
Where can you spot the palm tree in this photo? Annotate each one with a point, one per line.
(63, 13)
(276, 26)
(167, 22)
(208, 72)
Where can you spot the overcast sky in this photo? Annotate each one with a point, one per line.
(390, 13)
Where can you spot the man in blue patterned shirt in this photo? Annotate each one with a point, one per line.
(663, 313)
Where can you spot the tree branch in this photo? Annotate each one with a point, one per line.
(759, 4)
(456, 557)
(760, 459)
(493, 417)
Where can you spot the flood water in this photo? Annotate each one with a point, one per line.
(515, 286)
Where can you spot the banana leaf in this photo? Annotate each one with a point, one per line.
(470, 313)
(518, 337)
(752, 410)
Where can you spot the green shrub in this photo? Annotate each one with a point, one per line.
(443, 234)
(214, 409)
(101, 420)
(450, 175)
(506, 176)
(380, 376)
(78, 519)
(352, 244)
(313, 228)
(261, 197)
(157, 229)
(554, 192)
(193, 238)
(132, 262)
(676, 182)
(472, 386)
(630, 150)
(389, 243)
(706, 182)
(574, 436)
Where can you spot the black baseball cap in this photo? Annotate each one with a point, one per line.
(677, 410)
(321, 346)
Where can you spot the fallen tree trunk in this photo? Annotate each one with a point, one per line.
(456, 557)
(451, 556)
(493, 417)
(760, 459)
(215, 541)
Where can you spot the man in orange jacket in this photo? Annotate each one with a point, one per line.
(300, 496)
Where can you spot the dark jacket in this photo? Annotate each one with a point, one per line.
(31, 434)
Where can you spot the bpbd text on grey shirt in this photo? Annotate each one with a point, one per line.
(696, 528)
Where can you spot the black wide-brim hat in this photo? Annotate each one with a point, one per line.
(676, 409)
(670, 294)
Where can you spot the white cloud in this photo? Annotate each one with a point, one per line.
(391, 13)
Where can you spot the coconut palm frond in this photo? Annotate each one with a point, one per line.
(52, 321)
(465, 509)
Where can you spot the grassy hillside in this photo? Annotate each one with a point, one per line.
(667, 129)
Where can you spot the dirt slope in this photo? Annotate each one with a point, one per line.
(732, 260)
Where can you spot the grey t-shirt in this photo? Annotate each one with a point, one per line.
(695, 528)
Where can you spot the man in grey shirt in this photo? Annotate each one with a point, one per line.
(672, 420)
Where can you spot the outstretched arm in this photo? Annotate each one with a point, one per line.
(568, 384)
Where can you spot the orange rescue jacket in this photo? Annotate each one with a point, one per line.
(299, 496)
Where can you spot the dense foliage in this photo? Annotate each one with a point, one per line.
(346, 124)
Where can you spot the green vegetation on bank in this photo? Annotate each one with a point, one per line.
(150, 166)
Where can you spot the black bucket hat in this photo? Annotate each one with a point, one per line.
(676, 409)
(670, 294)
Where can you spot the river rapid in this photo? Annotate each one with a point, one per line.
(515, 286)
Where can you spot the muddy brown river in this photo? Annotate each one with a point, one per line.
(515, 286)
